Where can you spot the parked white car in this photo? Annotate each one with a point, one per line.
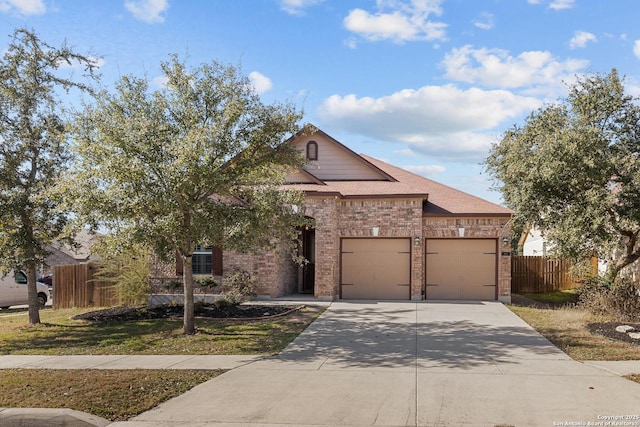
(13, 291)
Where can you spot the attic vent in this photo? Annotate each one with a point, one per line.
(312, 150)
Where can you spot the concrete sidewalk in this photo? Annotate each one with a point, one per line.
(408, 364)
(126, 362)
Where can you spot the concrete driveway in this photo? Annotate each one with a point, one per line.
(409, 364)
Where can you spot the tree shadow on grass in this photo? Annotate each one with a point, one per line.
(86, 338)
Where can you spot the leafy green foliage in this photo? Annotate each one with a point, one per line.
(200, 161)
(128, 271)
(573, 172)
(33, 151)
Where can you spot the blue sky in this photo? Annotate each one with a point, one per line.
(427, 85)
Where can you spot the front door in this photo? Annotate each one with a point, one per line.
(309, 254)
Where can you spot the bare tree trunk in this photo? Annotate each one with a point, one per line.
(32, 293)
(631, 255)
(188, 317)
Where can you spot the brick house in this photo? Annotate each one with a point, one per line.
(381, 233)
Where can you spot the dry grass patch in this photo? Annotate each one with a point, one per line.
(567, 328)
(116, 395)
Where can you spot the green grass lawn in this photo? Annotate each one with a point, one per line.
(556, 298)
(59, 334)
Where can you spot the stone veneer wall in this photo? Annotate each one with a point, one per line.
(474, 227)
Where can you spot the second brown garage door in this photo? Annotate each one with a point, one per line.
(376, 268)
(461, 269)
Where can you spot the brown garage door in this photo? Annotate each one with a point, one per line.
(461, 269)
(376, 268)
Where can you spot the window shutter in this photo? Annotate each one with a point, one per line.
(216, 261)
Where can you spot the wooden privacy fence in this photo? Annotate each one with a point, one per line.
(74, 286)
(542, 274)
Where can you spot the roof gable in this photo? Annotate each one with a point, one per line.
(334, 161)
(342, 173)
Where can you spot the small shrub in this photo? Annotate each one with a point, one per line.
(238, 286)
(221, 304)
(198, 306)
(128, 273)
(173, 285)
(206, 283)
(621, 298)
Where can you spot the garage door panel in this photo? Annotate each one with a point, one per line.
(376, 268)
(461, 269)
(356, 280)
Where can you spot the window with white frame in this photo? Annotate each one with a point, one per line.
(202, 261)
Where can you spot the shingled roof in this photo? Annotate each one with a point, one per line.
(442, 199)
(439, 199)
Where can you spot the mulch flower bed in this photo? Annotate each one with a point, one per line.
(244, 311)
(608, 329)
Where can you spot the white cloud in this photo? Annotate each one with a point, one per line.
(160, 81)
(581, 38)
(442, 121)
(351, 43)
(398, 21)
(261, 84)
(485, 21)
(149, 11)
(636, 48)
(497, 68)
(555, 4)
(405, 152)
(23, 7)
(426, 170)
(297, 7)
(561, 4)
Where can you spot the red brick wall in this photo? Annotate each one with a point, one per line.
(274, 272)
(325, 213)
(394, 218)
(277, 275)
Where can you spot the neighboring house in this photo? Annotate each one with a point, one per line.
(63, 254)
(533, 243)
(380, 233)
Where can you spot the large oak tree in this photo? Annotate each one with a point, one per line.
(573, 171)
(33, 151)
(199, 161)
